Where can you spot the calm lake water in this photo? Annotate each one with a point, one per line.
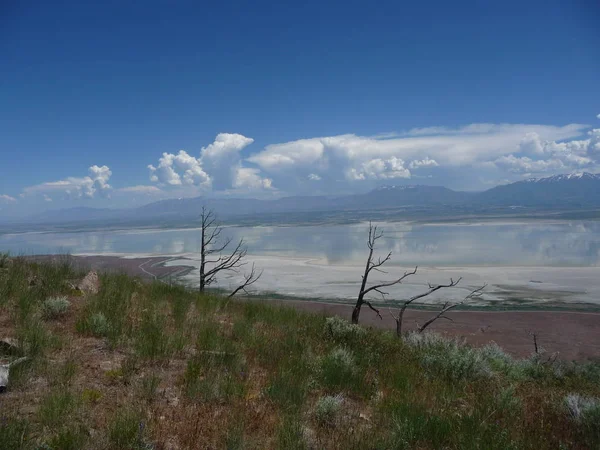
(521, 263)
(488, 244)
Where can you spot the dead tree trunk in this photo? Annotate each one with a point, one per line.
(209, 238)
(371, 265)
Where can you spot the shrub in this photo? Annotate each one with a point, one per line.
(508, 401)
(585, 412)
(328, 408)
(582, 408)
(338, 368)
(54, 307)
(448, 358)
(98, 325)
(341, 330)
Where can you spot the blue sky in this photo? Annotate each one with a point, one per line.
(278, 98)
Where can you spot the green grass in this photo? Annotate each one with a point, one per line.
(13, 432)
(127, 430)
(147, 365)
(56, 407)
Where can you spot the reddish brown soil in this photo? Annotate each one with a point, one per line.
(575, 335)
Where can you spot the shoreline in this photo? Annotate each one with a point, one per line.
(573, 334)
(155, 266)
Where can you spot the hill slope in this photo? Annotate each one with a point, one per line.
(142, 365)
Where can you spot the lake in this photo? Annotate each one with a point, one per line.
(521, 262)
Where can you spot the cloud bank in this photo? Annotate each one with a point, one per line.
(513, 148)
(90, 186)
(475, 156)
(219, 167)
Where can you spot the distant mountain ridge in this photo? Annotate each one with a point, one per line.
(571, 190)
(581, 190)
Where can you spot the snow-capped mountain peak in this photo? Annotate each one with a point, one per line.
(565, 177)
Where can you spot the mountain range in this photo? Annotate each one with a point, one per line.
(559, 192)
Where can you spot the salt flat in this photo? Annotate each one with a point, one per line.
(512, 285)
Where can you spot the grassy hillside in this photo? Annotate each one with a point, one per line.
(149, 366)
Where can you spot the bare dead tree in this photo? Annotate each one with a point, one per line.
(476, 293)
(249, 278)
(375, 265)
(372, 265)
(399, 316)
(210, 244)
(533, 334)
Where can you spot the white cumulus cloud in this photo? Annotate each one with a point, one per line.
(222, 159)
(379, 169)
(536, 155)
(96, 183)
(179, 169)
(219, 166)
(250, 178)
(352, 158)
(426, 162)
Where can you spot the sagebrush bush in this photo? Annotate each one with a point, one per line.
(98, 325)
(581, 408)
(508, 401)
(338, 368)
(341, 330)
(448, 358)
(327, 409)
(54, 307)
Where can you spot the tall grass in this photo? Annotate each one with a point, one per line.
(148, 365)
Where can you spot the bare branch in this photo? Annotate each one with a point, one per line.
(375, 265)
(448, 306)
(380, 262)
(374, 309)
(432, 289)
(210, 235)
(214, 235)
(390, 283)
(535, 343)
(210, 251)
(249, 279)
